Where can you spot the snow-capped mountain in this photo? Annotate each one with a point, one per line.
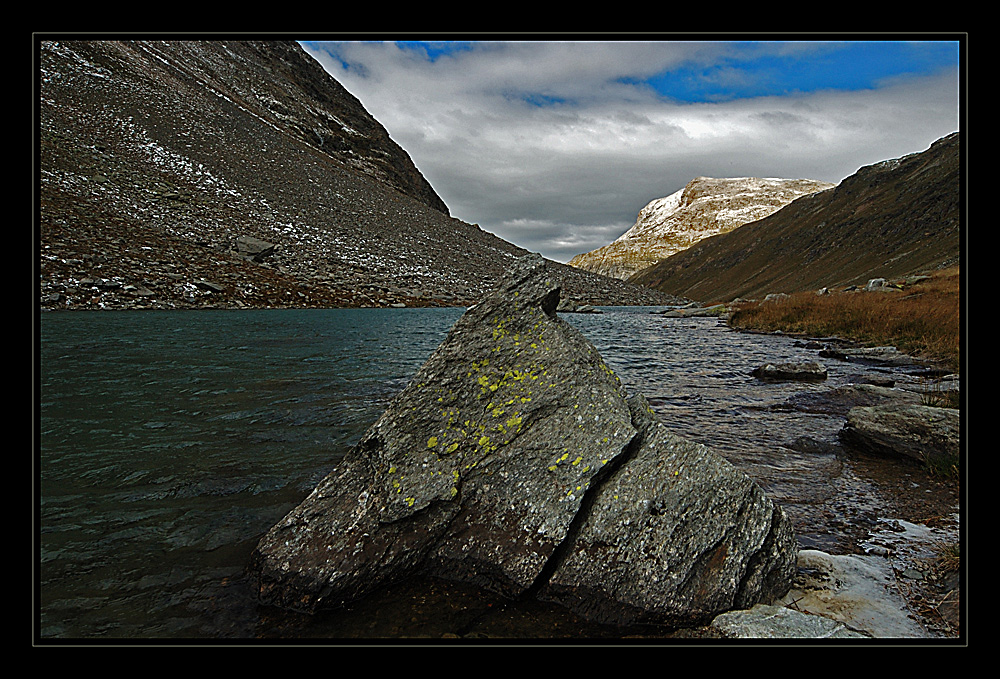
(895, 218)
(705, 207)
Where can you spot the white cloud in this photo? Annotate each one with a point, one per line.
(572, 176)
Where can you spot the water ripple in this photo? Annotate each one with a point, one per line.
(171, 440)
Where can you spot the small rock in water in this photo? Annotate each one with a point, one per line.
(926, 434)
(790, 371)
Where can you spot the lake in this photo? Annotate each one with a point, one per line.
(170, 441)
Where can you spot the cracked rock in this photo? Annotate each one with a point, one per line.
(514, 460)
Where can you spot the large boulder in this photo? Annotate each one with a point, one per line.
(675, 535)
(515, 460)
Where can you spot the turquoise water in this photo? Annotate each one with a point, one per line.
(170, 441)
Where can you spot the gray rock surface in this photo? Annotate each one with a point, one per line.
(857, 590)
(873, 355)
(674, 535)
(775, 622)
(254, 248)
(927, 434)
(775, 372)
(513, 460)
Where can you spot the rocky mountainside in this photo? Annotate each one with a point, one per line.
(239, 174)
(705, 207)
(890, 219)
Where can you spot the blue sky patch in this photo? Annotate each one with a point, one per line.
(755, 71)
(435, 49)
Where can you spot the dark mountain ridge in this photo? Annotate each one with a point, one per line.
(239, 174)
(890, 219)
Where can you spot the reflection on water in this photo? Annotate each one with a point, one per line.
(170, 441)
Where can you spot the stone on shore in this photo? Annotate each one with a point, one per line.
(874, 355)
(926, 434)
(716, 310)
(775, 622)
(858, 590)
(515, 461)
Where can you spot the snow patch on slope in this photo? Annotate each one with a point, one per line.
(705, 207)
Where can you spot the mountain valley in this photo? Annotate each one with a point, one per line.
(239, 174)
(892, 219)
(705, 207)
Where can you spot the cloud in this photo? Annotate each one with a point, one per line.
(556, 146)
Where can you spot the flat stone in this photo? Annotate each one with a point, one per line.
(810, 372)
(777, 622)
(254, 248)
(926, 434)
(209, 286)
(857, 590)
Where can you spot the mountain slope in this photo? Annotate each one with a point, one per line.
(890, 219)
(240, 174)
(705, 207)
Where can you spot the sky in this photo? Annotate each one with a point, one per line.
(557, 144)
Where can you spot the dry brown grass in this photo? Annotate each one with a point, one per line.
(921, 320)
